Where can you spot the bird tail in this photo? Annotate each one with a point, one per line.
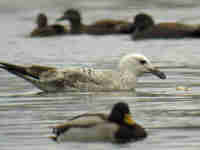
(57, 131)
(31, 74)
(17, 70)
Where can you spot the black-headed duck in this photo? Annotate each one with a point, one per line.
(105, 26)
(117, 127)
(52, 79)
(43, 29)
(145, 28)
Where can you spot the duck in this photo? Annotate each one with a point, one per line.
(73, 79)
(146, 28)
(43, 29)
(100, 27)
(117, 127)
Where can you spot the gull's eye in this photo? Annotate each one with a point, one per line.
(143, 62)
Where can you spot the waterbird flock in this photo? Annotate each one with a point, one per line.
(118, 126)
(141, 27)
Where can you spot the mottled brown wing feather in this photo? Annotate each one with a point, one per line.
(72, 78)
(33, 71)
(37, 70)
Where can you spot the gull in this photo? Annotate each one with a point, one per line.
(52, 79)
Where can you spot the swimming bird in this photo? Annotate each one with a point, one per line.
(105, 26)
(52, 79)
(118, 127)
(43, 29)
(145, 28)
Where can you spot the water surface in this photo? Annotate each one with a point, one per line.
(171, 117)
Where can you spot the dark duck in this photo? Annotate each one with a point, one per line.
(43, 29)
(105, 26)
(118, 127)
(145, 28)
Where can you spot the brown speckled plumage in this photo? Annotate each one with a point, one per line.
(51, 79)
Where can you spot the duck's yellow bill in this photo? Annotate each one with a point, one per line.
(128, 119)
(54, 138)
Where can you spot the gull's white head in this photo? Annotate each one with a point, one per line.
(139, 64)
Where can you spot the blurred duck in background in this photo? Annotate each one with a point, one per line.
(145, 28)
(43, 29)
(105, 26)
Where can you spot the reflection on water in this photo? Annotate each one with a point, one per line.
(171, 116)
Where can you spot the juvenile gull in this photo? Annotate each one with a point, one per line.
(51, 79)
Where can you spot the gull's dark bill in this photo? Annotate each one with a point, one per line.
(159, 74)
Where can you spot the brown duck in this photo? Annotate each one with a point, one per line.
(106, 26)
(145, 28)
(43, 29)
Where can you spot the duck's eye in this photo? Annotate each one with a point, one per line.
(143, 62)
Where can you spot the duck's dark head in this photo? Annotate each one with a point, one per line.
(143, 21)
(121, 114)
(41, 20)
(72, 15)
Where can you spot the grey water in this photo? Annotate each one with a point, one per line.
(171, 117)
